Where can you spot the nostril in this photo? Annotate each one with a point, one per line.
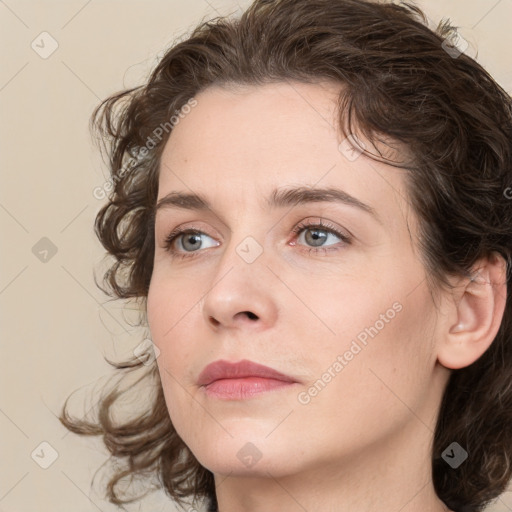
(251, 315)
(214, 321)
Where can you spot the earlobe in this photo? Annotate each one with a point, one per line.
(476, 312)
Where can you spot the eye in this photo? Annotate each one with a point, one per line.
(317, 234)
(188, 241)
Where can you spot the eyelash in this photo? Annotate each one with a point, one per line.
(321, 225)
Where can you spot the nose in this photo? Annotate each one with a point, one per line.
(225, 319)
(242, 294)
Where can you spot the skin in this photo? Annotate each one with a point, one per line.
(364, 441)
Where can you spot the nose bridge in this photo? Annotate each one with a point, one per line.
(240, 281)
(242, 263)
(248, 238)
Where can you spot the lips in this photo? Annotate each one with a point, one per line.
(241, 380)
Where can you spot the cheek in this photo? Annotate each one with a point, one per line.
(387, 360)
(170, 303)
(385, 308)
(166, 305)
(374, 332)
(174, 319)
(169, 313)
(338, 310)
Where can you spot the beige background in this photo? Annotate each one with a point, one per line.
(56, 326)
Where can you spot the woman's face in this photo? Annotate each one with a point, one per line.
(342, 309)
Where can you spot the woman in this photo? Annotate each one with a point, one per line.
(311, 204)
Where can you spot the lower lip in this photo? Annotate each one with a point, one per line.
(241, 389)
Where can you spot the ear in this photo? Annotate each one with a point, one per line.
(474, 313)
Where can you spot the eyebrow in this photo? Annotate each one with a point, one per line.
(279, 198)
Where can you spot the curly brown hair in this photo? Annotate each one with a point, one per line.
(402, 80)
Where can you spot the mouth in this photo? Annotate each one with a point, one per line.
(241, 380)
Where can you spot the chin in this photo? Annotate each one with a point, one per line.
(249, 455)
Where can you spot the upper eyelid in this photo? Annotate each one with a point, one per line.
(303, 224)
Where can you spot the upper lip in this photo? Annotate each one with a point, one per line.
(227, 370)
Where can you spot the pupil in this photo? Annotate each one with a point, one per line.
(317, 237)
(194, 240)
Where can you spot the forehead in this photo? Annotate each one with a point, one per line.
(257, 118)
(250, 140)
